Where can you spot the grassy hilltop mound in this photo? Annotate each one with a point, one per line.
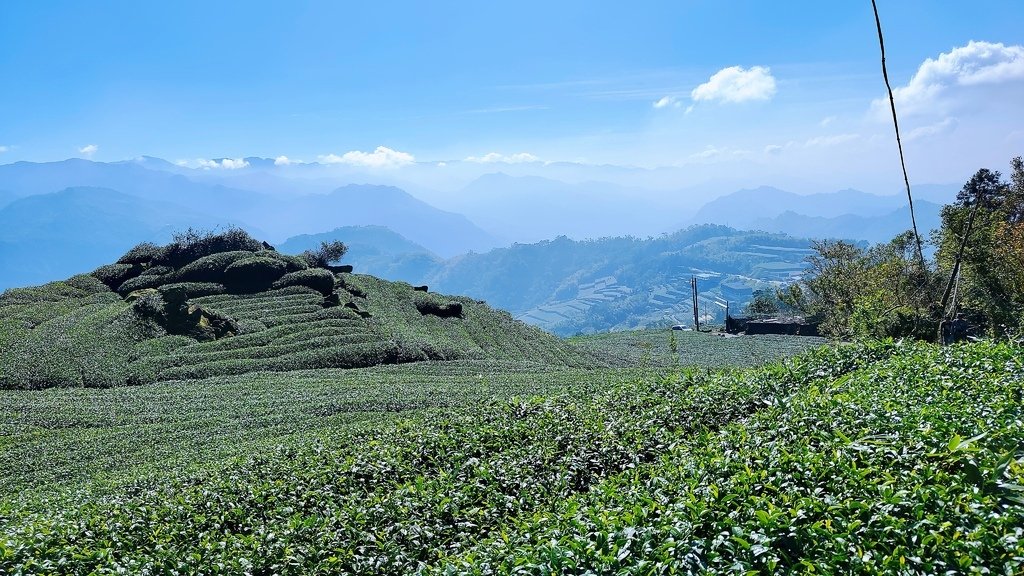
(227, 304)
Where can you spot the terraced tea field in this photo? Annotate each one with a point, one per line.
(73, 437)
(868, 458)
(706, 350)
(80, 333)
(322, 422)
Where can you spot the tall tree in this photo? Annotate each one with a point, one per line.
(980, 249)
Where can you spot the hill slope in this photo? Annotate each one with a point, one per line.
(216, 307)
(568, 286)
(829, 463)
(375, 250)
(445, 233)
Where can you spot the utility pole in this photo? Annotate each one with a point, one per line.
(696, 316)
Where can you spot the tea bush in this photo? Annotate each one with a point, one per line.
(317, 279)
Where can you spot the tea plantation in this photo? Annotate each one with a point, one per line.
(248, 415)
(876, 458)
(239, 311)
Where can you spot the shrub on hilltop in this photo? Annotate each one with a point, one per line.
(325, 255)
(192, 245)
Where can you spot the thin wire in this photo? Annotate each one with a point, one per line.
(899, 143)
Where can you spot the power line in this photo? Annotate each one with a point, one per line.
(899, 143)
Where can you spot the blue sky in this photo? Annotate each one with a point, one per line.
(770, 88)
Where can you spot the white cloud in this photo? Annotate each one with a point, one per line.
(831, 140)
(939, 128)
(667, 101)
(736, 84)
(493, 157)
(223, 164)
(937, 80)
(282, 161)
(706, 154)
(4, 149)
(826, 121)
(815, 142)
(382, 157)
(711, 152)
(88, 149)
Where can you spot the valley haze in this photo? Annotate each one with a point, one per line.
(568, 257)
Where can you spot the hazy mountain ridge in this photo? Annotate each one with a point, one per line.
(447, 233)
(533, 208)
(569, 286)
(46, 235)
(879, 228)
(27, 205)
(282, 201)
(375, 250)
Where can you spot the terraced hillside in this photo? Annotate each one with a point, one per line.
(157, 316)
(884, 458)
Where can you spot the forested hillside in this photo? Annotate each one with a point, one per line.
(568, 286)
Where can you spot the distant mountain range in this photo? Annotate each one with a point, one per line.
(375, 250)
(871, 228)
(81, 213)
(568, 286)
(445, 233)
(530, 208)
(846, 214)
(45, 236)
(62, 217)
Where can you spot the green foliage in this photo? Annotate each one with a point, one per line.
(140, 282)
(868, 458)
(192, 245)
(210, 268)
(253, 274)
(885, 291)
(764, 303)
(143, 253)
(90, 343)
(113, 275)
(157, 270)
(281, 329)
(876, 292)
(318, 279)
(64, 437)
(692, 349)
(293, 263)
(987, 219)
(911, 465)
(327, 253)
(54, 292)
(440, 309)
(180, 292)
